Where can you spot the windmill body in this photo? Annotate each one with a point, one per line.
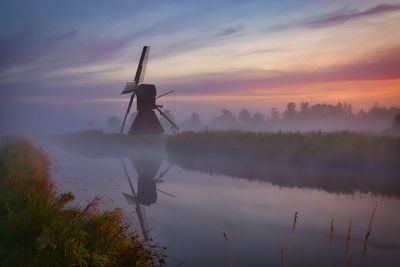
(146, 121)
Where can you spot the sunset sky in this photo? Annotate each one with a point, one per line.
(70, 60)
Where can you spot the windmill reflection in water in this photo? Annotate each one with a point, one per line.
(147, 166)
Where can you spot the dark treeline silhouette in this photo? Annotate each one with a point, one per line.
(306, 117)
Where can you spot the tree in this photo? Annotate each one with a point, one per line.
(258, 118)
(113, 123)
(224, 121)
(244, 116)
(290, 112)
(274, 114)
(194, 123)
(396, 123)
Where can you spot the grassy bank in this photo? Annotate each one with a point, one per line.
(337, 149)
(37, 228)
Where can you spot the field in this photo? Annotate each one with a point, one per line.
(40, 228)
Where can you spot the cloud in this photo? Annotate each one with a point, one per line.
(342, 18)
(385, 65)
(231, 30)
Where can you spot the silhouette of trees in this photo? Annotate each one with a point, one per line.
(396, 124)
(226, 120)
(244, 116)
(113, 123)
(194, 123)
(275, 115)
(290, 113)
(307, 117)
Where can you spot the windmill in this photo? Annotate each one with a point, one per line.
(146, 121)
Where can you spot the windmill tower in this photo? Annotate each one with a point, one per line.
(146, 121)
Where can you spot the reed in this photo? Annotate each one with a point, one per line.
(350, 259)
(38, 228)
(291, 238)
(368, 233)
(283, 253)
(227, 249)
(331, 241)
(348, 238)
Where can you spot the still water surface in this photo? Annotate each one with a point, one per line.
(188, 211)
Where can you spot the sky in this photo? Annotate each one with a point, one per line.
(65, 62)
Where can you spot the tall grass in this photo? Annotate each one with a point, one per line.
(342, 148)
(37, 228)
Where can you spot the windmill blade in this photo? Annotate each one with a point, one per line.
(127, 111)
(141, 70)
(165, 94)
(166, 117)
(164, 172)
(130, 87)
(168, 194)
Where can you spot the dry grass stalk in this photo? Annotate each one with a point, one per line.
(330, 242)
(346, 252)
(332, 228)
(283, 253)
(227, 247)
(368, 233)
(350, 259)
(294, 221)
(291, 237)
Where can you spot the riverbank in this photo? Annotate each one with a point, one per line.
(331, 149)
(40, 228)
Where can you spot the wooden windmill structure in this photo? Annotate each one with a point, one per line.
(146, 121)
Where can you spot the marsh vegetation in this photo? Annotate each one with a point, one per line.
(39, 227)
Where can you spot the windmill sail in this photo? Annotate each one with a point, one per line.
(130, 87)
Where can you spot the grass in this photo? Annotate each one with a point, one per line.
(39, 227)
(339, 149)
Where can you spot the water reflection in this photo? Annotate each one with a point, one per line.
(369, 179)
(146, 165)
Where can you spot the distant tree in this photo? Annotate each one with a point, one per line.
(304, 109)
(113, 123)
(396, 123)
(224, 121)
(275, 114)
(258, 118)
(244, 116)
(194, 123)
(290, 112)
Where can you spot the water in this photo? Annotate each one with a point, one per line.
(194, 208)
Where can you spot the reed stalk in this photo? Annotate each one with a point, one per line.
(331, 241)
(346, 252)
(291, 238)
(227, 248)
(368, 233)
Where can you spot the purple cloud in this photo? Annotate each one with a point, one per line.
(342, 18)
